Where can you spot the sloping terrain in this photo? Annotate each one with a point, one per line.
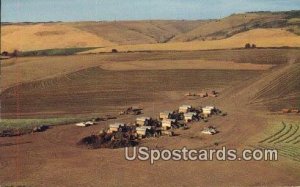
(37, 36)
(283, 91)
(233, 24)
(95, 92)
(138, 32)
(260, 37)
(19, 70)
(47, 36)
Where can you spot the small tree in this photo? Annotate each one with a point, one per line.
(15, 53)
(4, 53)
(247, 46)
(114, 50)
(253, 46)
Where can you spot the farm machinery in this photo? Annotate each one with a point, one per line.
(132, 111)
(124, 135)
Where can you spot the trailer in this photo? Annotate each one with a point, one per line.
(165, 115)
(190, 116)
(207, 111)
(115, 127)
(184, 108)
(167, 123)
(143, 131)
(143, 121)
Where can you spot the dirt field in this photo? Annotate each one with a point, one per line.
(19, 70)
(100, 86)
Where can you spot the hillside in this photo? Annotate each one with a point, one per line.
(281, 91)
(39, 36)
(260, 37)
(138, 32)
(47, 36)
(236, 23)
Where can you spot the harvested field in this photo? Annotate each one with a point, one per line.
(92, 91)
(19, 70)
(282, 91)
(110, 90)
(183, 64)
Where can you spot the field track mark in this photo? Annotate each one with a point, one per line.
(279, 78)
(287, 132)
(277, 133)
(289, 136)
(289, 148)
(286, 153)
(3, 164)
(295, 137)
(67, 77)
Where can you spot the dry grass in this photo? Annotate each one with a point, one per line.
(225, 27)
(138, 32)
(26, 37)
(47, 36)
(260, 37)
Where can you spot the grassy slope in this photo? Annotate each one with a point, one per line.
(260, 37)
(47, 36)
(38, 36)
(231, 25)
(138, 32)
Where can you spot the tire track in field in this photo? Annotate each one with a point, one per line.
(290, 134)
(277, 133)
(281, 135)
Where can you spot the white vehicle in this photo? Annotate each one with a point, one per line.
(210, 131)
(84, 124)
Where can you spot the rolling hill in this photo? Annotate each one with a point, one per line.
(53, 35)
(260, 37)
(47, 36)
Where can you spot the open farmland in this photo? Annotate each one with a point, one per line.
(260, 37)
(158, 66)
(19, 70)
(100, 86)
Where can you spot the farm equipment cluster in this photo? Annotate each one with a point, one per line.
(123, 135)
